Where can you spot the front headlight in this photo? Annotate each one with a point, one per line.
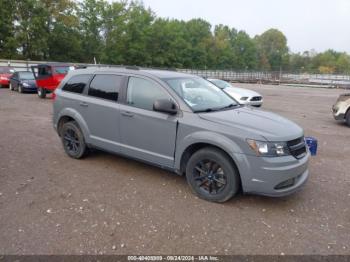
(25, 84)
(269, 149)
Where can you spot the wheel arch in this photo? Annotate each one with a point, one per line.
(199, 140)
(69, 114)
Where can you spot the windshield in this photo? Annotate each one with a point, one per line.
(220, 83)
(26, 75)
(200, 94)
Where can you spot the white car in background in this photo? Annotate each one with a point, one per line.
(242, 95)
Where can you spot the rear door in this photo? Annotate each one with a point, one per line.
(100, 109)
(146, 134)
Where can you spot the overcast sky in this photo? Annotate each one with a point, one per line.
(307, 24)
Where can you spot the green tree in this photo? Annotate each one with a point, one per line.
(199, 37)
(136, 39)
(30, 29)
(169, 47)
(221, 54)
(91, 14)
(272, 49)
(245, 52)
(343, 63)
(8, 43)
(115, 16)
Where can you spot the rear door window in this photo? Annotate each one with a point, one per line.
(77, 83)
(106, 86)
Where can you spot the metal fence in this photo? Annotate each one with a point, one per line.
(274, 77)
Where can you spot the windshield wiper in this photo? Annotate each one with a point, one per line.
(205, 110)
(216, 109)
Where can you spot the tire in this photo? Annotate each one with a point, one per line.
(212, 175)
(347, 118)
(20, 89)
(73, 140)
(41, 92)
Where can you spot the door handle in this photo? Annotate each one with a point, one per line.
(127, 114)
(84, 104)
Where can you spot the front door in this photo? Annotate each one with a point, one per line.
(146, 134)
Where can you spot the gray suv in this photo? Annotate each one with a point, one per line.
(182, 123)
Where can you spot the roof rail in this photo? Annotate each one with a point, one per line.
(132, 67)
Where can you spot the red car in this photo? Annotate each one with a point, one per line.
(49, 76)
(5, 75)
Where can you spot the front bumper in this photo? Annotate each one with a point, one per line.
(29, 88)
(256, 103)
(337, 111)
(273, 176)
(252, 103)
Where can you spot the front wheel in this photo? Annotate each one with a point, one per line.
(73, 140)
(41, 92)
(212, 175)
(347, 118)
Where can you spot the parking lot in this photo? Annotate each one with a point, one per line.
(106, 204)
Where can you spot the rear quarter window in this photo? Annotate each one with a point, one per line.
(76, 84)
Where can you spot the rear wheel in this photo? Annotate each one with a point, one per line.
(73, 140)
(41, 92)
(347, 118)
(212, 175)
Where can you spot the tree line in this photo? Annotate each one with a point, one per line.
(127, 33)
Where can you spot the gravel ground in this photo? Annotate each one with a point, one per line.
(106, 204)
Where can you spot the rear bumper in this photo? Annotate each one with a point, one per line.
(4, 82)
(274, 176)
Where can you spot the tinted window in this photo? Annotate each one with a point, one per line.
(77, 84)
(142, 93)
(106, 86)
(44, 71)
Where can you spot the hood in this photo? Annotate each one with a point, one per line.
(256, 122)
(343, 97)
(241, 92)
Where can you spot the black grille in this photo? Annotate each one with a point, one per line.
(256, 98)
(297, 147)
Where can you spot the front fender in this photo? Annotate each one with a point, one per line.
(207, 137)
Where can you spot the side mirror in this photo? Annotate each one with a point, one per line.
(165, 106)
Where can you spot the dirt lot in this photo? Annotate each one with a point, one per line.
(105, 204)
